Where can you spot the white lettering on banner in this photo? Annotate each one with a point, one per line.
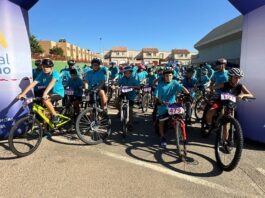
(4, 64)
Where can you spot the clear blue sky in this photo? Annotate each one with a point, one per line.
(165, 24)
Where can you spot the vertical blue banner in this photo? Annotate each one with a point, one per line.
(15, 63)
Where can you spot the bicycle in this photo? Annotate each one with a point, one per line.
(125, 110)
(146, 98)
(229, 138)
(176, 115)
(93, 125)
(30, 128)
(112, 90)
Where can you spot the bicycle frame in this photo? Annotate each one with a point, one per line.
(40, 111)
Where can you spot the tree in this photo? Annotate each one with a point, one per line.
(35, 46)
(56, 51)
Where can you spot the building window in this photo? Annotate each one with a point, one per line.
(148, 54)
(117, 53)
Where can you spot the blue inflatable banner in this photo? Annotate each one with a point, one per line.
(15, 62)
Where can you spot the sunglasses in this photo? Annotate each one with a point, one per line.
(46, 66)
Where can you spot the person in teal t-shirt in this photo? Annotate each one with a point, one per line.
(53, 89)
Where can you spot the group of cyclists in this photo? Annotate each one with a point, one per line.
(166, 81)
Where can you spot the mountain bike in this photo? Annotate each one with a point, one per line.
(26, 134)
(229, 138)
(93, 124)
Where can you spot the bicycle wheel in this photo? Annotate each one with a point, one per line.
(92, 130)
(124, 123)
(199, 108)
(145, 103)
(180, 142)
(228, 152)
(25, 136)
(110, 92)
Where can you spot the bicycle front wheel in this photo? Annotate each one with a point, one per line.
(145, 103)
(180, 141)
(90, 129)
(124, 123)
(199, 108)
(228, 148)
(25, 136)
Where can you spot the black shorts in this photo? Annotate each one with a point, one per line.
(54, 97)
(75, 98)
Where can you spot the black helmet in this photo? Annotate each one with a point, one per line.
(71, 62)
(168, 70)
(38, 62)
(190, 70)
(47, 62)
(149, 70)
(96, 60)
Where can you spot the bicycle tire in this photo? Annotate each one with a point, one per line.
(239, 147)
(197, 105)
(85, 124)
(124, 124)
(19, 125)
(145, 103)
(180, 143)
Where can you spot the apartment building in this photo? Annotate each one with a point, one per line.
(69, 50)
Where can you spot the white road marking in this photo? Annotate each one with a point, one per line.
(261, 170)
(175, 174)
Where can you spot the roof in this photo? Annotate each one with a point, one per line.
(26, 4)
(119, 49)
(180, 51)
(246, 6)
(152, 50)
(231, 27)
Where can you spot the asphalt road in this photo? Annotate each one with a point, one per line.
(64, 167)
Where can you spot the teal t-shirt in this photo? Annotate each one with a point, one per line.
(167, 93)
(129, 82)
(76, 85)
(114, 72)
(44, 80)
(94, 78)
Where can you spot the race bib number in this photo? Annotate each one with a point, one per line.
(86, 98)
(228, 96)
(175, 110)
(41, 87)
(147, 89)
(69, 92)
(126, 90)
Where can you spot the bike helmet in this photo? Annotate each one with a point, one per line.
(168, 70)
(128, 68)
(149, 70)
(71, 62)
(221, 61)
(37, 62)
(236, 72)
(47, 62)
(96, 60)
(112, 63)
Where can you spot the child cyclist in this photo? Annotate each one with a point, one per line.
(75, 84)
(130, 82)
(166, 92)
(233, 86)
(53, 87)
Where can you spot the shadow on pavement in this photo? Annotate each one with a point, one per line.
(5, 152)
(145, 140)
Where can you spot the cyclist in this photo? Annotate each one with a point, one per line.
(151, 77)
(166, 92)
(76, 84)
(53, 90)
(114, 71)
(203, 80)
(209, 69)
(36, 71)
(130, 82)
(189, 82)
(65, 73)
(221, 75)
(234, 87)
(141, 74)
(96, 79)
